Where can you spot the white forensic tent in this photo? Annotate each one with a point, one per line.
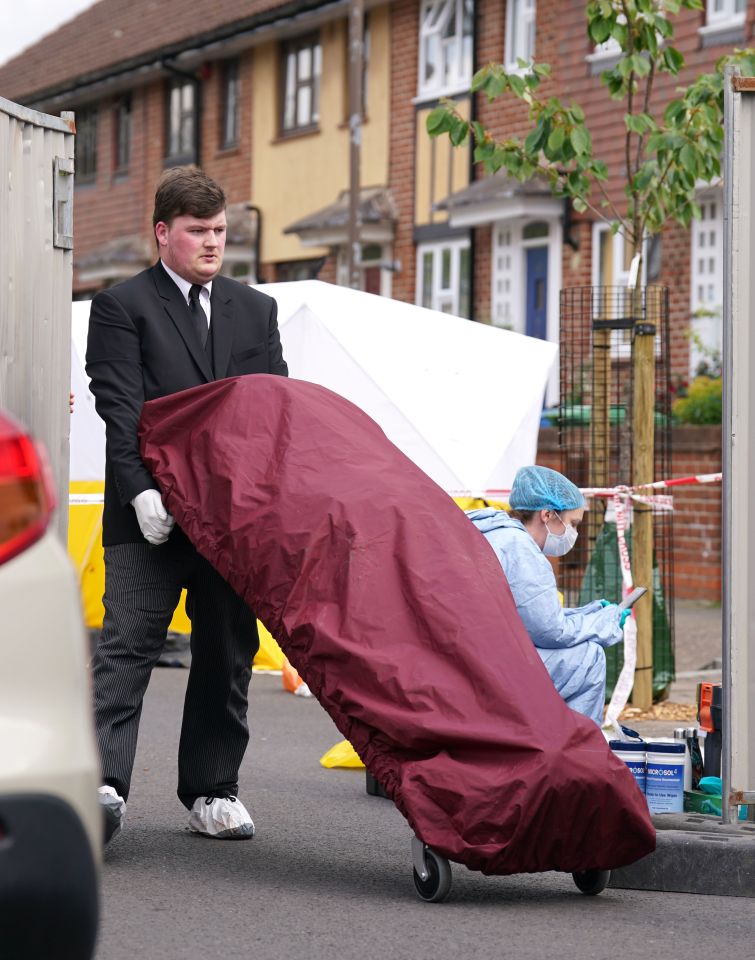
(462, 400)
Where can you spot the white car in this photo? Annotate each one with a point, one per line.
(50, 820)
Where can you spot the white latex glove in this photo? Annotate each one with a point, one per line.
(155, 522)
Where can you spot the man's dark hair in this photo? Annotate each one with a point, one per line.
(186, 191)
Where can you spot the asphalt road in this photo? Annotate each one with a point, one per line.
(329, 873)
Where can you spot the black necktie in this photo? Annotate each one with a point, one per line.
(197, 313)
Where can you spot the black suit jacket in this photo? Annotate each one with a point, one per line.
(142, 345)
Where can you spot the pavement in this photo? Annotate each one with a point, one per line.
(329, 873)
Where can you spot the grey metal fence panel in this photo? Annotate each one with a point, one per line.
(35, 282)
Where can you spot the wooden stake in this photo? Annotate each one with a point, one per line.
(643, 457)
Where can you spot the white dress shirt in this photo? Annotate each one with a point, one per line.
(184, 286)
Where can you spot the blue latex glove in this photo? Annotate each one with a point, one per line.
(604, 603)
(623, 617)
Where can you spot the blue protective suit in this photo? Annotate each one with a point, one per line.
(570, 641)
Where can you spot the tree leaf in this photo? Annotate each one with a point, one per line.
(438, 121)
(688, 158)
(580, 140)
(556, 140)
(599, 30)
(517, 84)
(459, 131)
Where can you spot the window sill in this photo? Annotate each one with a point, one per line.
(600, 60)
(720, 32)
(120, 175)
(426, 97)
(228, 150)
(723, 25)
(285, 136)
(516, 70)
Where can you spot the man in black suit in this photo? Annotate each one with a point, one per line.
(174, 326)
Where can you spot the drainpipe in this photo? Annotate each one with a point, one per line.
(198, 106)
(257, 249)
(472, 170)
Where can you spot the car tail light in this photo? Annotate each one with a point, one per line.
(27, 498)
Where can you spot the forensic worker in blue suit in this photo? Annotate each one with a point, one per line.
(546, 510)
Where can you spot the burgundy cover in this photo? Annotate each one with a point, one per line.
(395, 611)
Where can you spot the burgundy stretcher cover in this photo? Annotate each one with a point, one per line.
(394, 609)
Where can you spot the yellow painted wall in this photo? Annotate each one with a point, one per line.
(294, 177)
(441, 169)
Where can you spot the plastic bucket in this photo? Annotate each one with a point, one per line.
(664, 783)
(632, 752)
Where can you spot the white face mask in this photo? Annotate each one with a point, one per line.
(556, 545)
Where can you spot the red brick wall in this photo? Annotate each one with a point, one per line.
(697, 514)
(483, 240)
(697, 508)
(404, 52)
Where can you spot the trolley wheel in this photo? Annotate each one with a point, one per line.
(438, 883)
(592, 882)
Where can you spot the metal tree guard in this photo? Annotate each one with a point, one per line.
(595, 436)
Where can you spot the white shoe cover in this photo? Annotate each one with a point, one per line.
(224, 818)
(114, 810)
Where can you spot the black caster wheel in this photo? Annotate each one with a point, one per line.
(432, 873)
(592, 882)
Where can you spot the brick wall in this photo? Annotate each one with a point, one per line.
(404, 65)
(697, 509)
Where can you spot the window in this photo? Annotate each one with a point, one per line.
(302, 67)
(725, 12)
(611, 268)
(445, 52)
(297, 270)
(86, 145)
(182, 123)
(122, 133)
(520, 32)
(706, 276)
(443, 277)
(229, 134)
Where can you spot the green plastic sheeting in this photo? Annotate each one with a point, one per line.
(602, 579)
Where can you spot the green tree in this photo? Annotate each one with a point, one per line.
(667, 153)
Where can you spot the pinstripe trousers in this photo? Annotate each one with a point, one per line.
(142, 589)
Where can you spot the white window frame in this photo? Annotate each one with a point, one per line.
(434, 17)
(520, 25)
(620, 278)
(706, 274)
(441, 297)
(301, 80)
(725, 18)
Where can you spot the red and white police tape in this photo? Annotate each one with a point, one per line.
(501, 493)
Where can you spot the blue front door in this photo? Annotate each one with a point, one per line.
(537, 292)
